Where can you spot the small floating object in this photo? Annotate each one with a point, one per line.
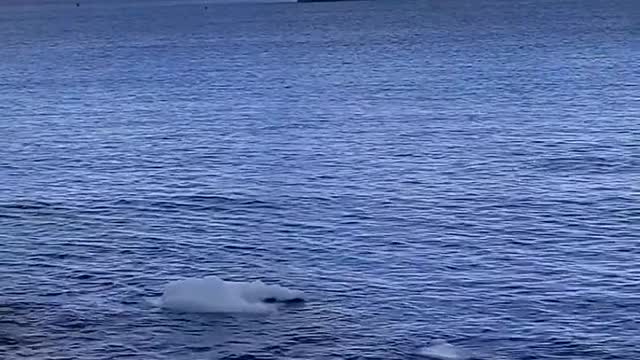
(77, 4)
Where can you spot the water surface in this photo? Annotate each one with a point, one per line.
(422, 170)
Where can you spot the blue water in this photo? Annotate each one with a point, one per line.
(466, 171)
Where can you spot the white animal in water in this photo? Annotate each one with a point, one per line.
(441, 350)
(212, 294)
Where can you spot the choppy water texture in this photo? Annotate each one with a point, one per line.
(458, 170)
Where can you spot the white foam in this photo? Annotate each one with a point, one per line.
(442, 350)
(214, 295)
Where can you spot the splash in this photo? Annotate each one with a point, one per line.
(214, 295)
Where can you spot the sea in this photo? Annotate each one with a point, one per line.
(426, 179)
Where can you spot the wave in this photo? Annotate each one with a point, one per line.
(214, 295)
